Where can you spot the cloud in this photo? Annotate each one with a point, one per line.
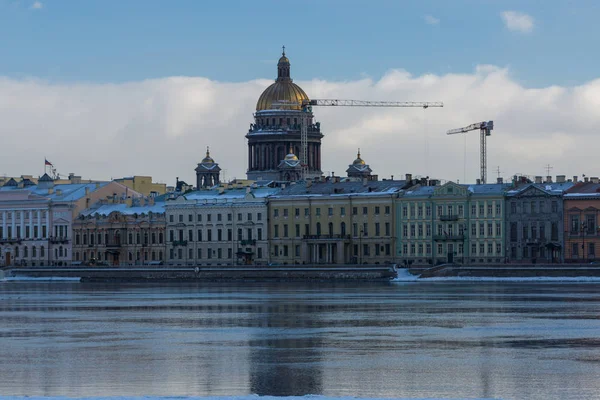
(161, 127)
(517, 22)
(37, 5)
(431, 20)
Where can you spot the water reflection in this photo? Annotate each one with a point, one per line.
(373, 340)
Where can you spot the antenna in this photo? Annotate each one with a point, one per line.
(498, 171)
(548, 167)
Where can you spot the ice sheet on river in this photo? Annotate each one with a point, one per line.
(405, 276)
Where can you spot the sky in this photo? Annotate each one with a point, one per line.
(111, 89)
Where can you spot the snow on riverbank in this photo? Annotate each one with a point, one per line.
(38, 279)
(405, 276)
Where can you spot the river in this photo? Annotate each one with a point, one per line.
(506, 340)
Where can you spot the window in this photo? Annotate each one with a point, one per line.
(420, 211)
(440, 248)
(481, 229)
(318, 228)
(171, 218)
(461, 248)
(554, 233)
(239, 216)
(365, 249)
(473, 210)
(428, 230)
(297, 212)
(591, 250)
(420, 249)
(318, 211)
(387, 229)
(498, 248)
(306, 212)
(342, 211)
(481, 248)
(365, 229)
(365, 210)
(574, 224)
(285, 230)
(490, 229)
(412, 210)
(376, 210)
(428, 248)
(208, 217)
(199, 235)
(355, 229)
(554, 206)
(461, 211)
(285, 212)
(525, 232)
(343, 229)
(330, 211)
(533, 208)
(404, 249)
(259, 234)
(542, 232)
(199, 218)
(498, 229)
(481, 210)
(590, 222)
(498, 209)
(490, 248)
(428, 211)
(575, 249)
(439, 211)
(513, 207)
(387, 209)
(190, 218)
(405, 230)
(412, 230)
(180, 217)
(377, 231)
(450, 209)
(297, 230)
(474, 249)
(276, 213)
(489, 210)
(412, 249)
(219, 234)
(542, 206)
(405, 211)
(387, 249)
(209, 235)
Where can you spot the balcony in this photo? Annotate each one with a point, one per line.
(113, 245)
(180, 243)
(449, 217)
(10, 241)
(57, 240)
(448, 237)
(249, 242)
(326, 237)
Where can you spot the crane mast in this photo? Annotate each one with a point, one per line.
(307, 109)
(484, 128)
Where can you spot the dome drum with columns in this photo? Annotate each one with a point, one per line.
(207, 172)
(276, 129)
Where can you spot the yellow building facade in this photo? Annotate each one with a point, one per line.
(143, 185)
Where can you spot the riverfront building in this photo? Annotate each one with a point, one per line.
(534, 220)
(36, 221)
(581, 213)
(223, 226)
(450, 223)
(334, 221)
(116, 233)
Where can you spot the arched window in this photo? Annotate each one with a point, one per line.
(330, 228)
(130, 256)
(42, 252)
(160, 237)
(25, 252)
(318, 228)
(343, 229)
(33, 252)
(55, 253)
(76, 256)
(17, 251)
(131, 239)
(60, 251)
(160, 257)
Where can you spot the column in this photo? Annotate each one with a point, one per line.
(249, 158)
(13, 224)
(30, 224)
(4, 215)
(39, 223)
(22, 223)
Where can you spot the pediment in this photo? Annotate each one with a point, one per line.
(450, 189)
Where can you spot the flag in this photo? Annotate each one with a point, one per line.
(46, 162)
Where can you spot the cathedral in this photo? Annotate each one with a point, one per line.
(274, 139)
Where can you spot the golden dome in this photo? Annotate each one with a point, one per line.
(283, 91)
(358, 161)
(208, 159)
(291, 156)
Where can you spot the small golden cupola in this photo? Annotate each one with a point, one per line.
(291, 156)
(358, 161)
(208, 159)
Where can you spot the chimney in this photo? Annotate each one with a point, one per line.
(575, 180)
(500, 180)
(560, 178)
(87, 191)
(151, 201)
(409, 177)
(594, 179)
(548, 179)
(538, 179)
(423, 182)
(586, 179)
(478, 181)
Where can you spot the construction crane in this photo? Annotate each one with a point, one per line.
(484, 128)
(307, 109)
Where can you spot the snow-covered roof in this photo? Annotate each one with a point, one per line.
(66, 192)
(106, 209)
(230, 194)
